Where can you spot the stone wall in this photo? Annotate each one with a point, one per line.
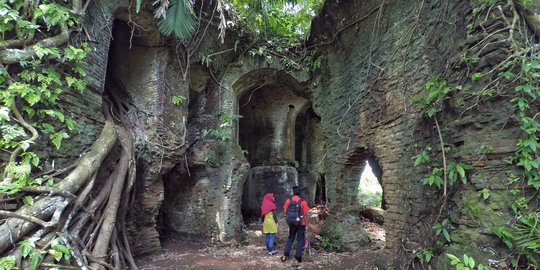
(143, 69)
(379, 56)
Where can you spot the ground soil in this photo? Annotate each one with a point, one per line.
(179, 253)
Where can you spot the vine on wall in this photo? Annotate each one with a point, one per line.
(515, 77)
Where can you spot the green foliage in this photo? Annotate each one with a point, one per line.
(430, 101)
(423, 157)
(331, 240)
(444, 227)
(179, 19)
(505, 235)
(284, 21)
(484, 193)
(7, 263)
(424, 255)
(58, 250)
(206, 60)
(527, 155)
(33, 87)
(468, 263)
(434, 178)
(178, 100)
(456, 171)
(523, 238)
(527, 237)
(54, 14)
(224, 130)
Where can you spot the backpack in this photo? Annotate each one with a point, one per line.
(294, 214)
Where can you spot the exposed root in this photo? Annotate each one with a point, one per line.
(94, 219)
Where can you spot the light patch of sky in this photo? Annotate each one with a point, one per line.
(368, 181)
(293, 9)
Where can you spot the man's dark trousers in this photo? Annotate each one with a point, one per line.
(298, 232)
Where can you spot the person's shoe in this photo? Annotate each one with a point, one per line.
(284, 258)
(273, 252)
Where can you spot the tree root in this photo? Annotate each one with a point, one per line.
(93, 229)
(15, 229)
(25, 217)
(13, 56)
(111, 210)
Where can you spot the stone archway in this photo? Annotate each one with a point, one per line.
(269, 108)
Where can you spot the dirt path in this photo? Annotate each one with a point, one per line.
(183, 254)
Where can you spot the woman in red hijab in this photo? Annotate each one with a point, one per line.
(270, 228)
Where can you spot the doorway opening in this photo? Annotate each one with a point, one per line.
(370, 191)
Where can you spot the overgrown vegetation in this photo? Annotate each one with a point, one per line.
(516, 77)
(33, 79)
(68, 217)
(284, 22)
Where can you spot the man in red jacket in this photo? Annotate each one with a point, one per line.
(296, 229)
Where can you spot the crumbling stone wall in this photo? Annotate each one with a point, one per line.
(378, 56)
(142, 67)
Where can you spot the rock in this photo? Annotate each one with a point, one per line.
(254, 234)
(374, 214)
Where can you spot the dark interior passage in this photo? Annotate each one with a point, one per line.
(267, 133)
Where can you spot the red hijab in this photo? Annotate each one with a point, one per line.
(268, 204)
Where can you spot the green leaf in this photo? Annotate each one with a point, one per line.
(179, 20)
(460, 170)
(35, 259)
(484, 193)
(70, 123)
(476, 76)
(431, 111)
(7, 262)
(446, 235)
(508, 75)
(138, 5)
(27, 247)
(64, 250)
(28, 200)
(178, 100)
(453, 258)
(24, 145)
(56, 138)
(57, 255)
(429, 255)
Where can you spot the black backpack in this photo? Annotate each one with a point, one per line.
(294, 214)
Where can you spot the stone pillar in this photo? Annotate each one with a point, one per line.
(263, 179)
